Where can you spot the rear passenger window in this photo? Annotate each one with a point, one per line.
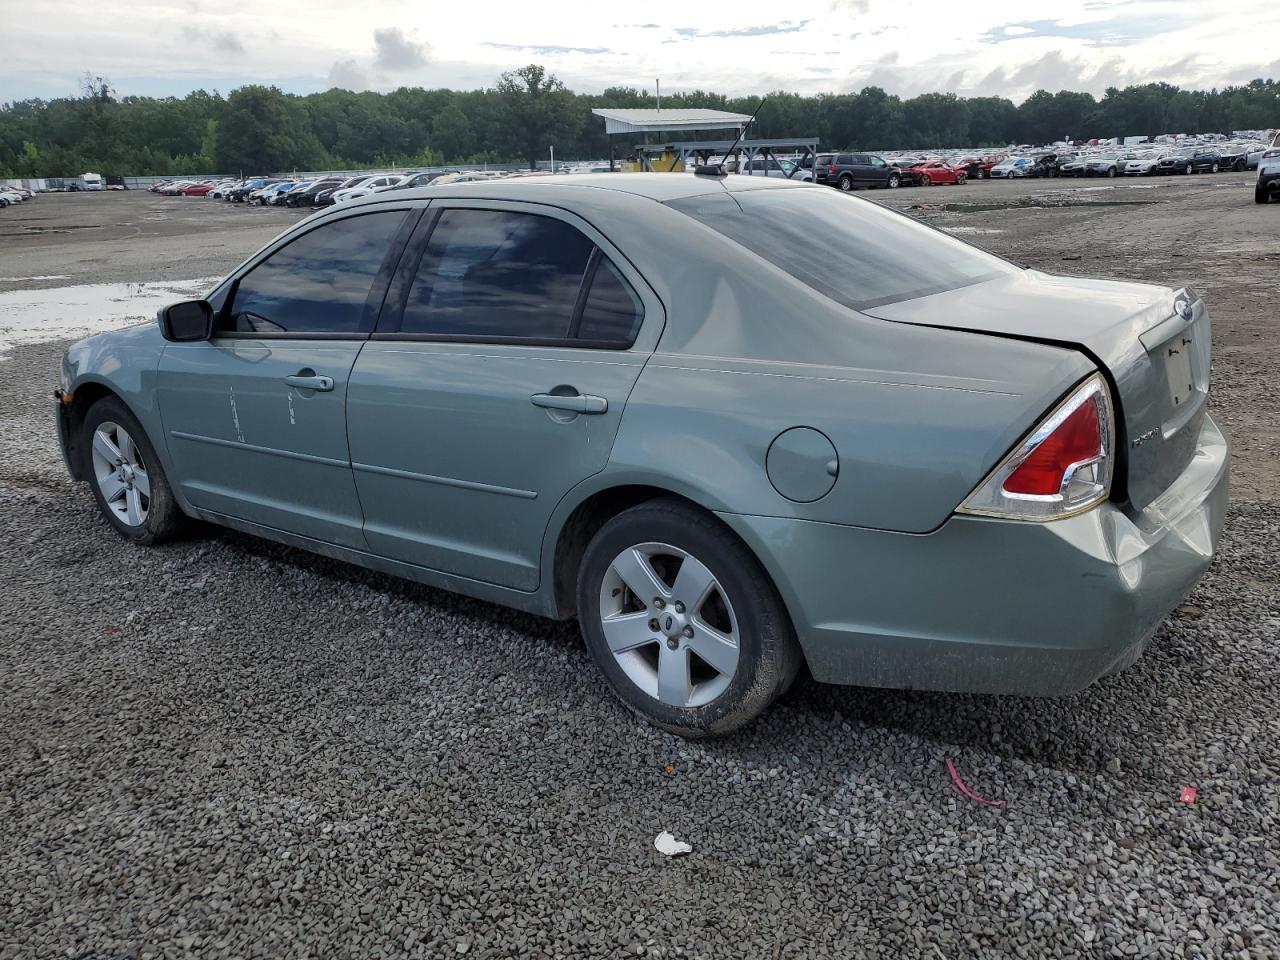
(491, 273)
(501, 275)
(319, 283)
(612, 312)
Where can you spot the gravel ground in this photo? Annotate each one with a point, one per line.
(227, 748)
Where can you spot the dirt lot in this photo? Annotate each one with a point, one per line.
(227, 748)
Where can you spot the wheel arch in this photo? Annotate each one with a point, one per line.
(579, 522)
(86, 394)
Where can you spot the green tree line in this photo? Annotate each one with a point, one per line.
(258, 128)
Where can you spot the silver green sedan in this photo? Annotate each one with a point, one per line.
(730, 424)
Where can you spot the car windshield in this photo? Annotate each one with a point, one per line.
(854, 251)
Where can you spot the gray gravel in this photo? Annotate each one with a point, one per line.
(226, 748)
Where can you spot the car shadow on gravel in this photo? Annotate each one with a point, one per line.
(1035, 730)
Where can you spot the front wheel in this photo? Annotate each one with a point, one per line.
(128, 482)
(1239, 167)
(685, 625)
(1188, 170)
(1214, 168)
(845, 183)
(925, 181)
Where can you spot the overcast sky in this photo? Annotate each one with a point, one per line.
(170, 47)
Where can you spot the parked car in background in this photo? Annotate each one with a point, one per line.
(936, 172)
(1176, 161)
(411, 180)
(307, 196)
(365, 187)
(9, 197)
(1253, 156)
(281, 197)
(1143, 166)
(1234, 157)
(89, 181)
(196, 189)
(915, 467)
(1075, 167)
(1268, 184)
(853, 171)
(1047, 165)
(1011, 167)
(1204, 160)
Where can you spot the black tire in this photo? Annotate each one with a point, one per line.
(1214, 168)
(1188, 170)
(769, 655)
(1261, 196)
(1239, 167)
(893, 181)
(164, 519)
(845, 183)
(1111, 171)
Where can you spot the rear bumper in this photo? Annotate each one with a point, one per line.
(994, 606)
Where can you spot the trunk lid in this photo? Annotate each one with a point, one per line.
(1153, 341)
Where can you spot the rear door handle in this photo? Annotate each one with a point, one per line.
(310, 382)
(574, 403)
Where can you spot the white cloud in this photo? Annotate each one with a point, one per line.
(749, 46)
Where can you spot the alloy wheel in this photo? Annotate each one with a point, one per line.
(121, 474)
(669, 624)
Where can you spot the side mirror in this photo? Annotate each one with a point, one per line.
(188, 321)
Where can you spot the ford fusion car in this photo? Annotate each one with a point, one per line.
(640, 401)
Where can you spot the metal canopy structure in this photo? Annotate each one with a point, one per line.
(669, 121)
(701, 151)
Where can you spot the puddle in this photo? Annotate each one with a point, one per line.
(59, 313)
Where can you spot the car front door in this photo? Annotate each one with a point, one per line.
(255, 418)
(511, 338)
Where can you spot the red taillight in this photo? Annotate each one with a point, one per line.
(831, 168)
(1062, 467)
(1078, 439)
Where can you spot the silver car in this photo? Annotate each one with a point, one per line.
(733, 425)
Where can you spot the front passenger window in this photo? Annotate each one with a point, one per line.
(318, 283)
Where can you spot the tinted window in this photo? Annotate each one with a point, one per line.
(490, 273)
(869, 255)
(613, 311)
(845, 158)
(318, 283)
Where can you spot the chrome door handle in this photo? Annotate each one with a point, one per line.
(575, 403)
(311, 382)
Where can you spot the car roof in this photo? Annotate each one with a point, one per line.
(652, 186)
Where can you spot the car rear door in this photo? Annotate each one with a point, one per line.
(255, 418)
(511, 338)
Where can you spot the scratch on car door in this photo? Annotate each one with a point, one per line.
(292, 421)
(235, 417)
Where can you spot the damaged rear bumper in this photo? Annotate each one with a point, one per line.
(995, 606)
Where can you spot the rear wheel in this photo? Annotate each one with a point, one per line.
(1261, 196)
(1214, 168)
(1188, 170)
(682, 621)
(1111, 171)
(845, 183)
(893, 181)
(1239, 166)
(925, 181)
(128, 482)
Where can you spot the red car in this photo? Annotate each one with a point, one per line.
(196, 190)
(933, 172)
